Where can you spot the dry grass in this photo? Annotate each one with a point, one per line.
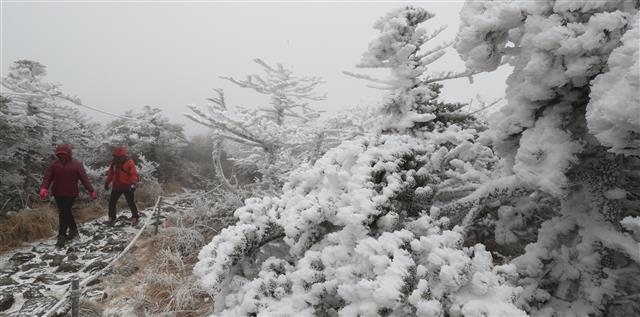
(187, 242)
(170, 286)
(41, 223)
(164, 284)
(90, 309)
(84, 212)
(145, 196)
(28, 226)
(172, 187)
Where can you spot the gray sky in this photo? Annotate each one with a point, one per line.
(118, 56)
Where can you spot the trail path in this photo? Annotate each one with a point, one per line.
(35, 277)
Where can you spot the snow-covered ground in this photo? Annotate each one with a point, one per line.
(33, 278)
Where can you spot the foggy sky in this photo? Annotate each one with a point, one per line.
(118, 56)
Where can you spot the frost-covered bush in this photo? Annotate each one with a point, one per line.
(148, 184)
(360, 234)
(569, 133)
(149, 134)
(613, 113)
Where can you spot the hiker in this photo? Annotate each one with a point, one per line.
(64, 174)
(123, 175)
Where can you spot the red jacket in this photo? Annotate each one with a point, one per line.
(122, 175)
(64, 174)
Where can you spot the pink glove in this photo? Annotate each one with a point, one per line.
(44, 193)
(93, 195)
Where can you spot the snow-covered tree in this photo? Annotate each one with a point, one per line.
(275, 138)
(360, 233)
(569, 133)
(35, 116)
(401, 48)
(149, 134)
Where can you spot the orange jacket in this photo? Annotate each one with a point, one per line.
(122, 175)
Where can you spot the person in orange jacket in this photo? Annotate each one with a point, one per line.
(63, 175)
(124, 176)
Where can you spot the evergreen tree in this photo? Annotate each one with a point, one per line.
(361, 232)
(276, 138)
(152, 136)
(569, 137)
(36, 115)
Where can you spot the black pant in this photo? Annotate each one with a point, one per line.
(113, 199)
(65, 216)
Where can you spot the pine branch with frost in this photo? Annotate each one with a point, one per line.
(400, 48)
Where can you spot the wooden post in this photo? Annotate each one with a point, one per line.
(75, 296)
(157, 223)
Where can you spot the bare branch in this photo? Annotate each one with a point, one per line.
(436, 77)
(368, 78)
(433, 34)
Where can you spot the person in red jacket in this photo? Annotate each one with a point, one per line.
(63, 175)
(124, 176)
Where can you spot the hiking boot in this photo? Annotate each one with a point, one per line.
(73, 234)
(135, 221)
(110, 222)
(60, 242)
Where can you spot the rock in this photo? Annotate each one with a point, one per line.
(95, 266)
(30, 266)
(115, 246)
(22, 257)
(95, 281)
(6, 301)
(47, 256)
(9, 270)
(90, 256)
(31, 294)
(36, 306)
(57, 259)
(72, 257)
(36, 249)
(98, 236)
(32, 273)
(5, 280)
(63, 281)
(47, 278)
(87, 231)
(69, 266)
(72, 250)
(95, 294)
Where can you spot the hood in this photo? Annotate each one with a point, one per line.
(63, 149)
(119, 151)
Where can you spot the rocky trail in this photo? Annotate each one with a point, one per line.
(35, 277)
